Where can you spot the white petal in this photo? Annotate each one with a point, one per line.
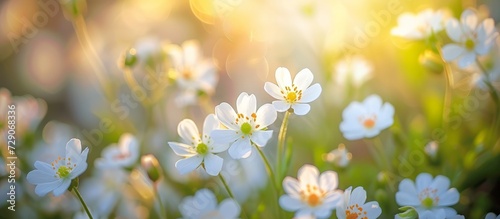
(290, 204)
(229, 209)
(211, 123)
(304, 213)
(189, 132)
(189, 164)
(373, 103)
(74, 150)
(423, 181)
(311, 94)
(79, 169)
(246, 104)
(260, 138)
(240, 149)
(372, 209)
(303, 79)
(491, 215)
(281, 106)
(273, 90)
(404, 199)
(218, 148)
(467, 59)
(450, 213)
(452, 51)
(448, 198)
(291, 186)
(358, 196)
(385, 118)
(441, 184)
(454, 30)
(226, 115)
(438, 213)
(224, 136)
(328, 181)
(283, 77)
(340, 211)
(39, 177)
(182, 149)
(469, 21)
(44, 188)
(301, 109)
(266, 115)
(308, 174)
(191, 53)
(322, 213)
(62, 188)
(213, 164)
(205, 200)
(333, 199)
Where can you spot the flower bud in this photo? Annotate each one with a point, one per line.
(73, 8)
(152, 167)
(409, 212)
(431, 61)
(431, 149)
(129, 59)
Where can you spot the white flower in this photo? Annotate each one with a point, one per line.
(470, 38)
(198, 149)
(339, 156)
(312, 194)
(192, 72)
(418, 26)
(204, 206)
(492, 215)
(431, 149)
(352, 70)
(246, 127)
(125, 154)
(366, 119)
(430, 197)
(294, 95)
(354, 206)
(57, 176)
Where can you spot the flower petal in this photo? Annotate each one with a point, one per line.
(213, 164)
(62, 188)
(240, 149)
(246, 104)
(448, 198)
(189, 132)
(266, 115)
(40, 177)
(224, 136)
(189, 164)
(281, 106)
(467, 59)
(211, 123)
(273, 90)
(226, 115)
(283, 77)
(301, 108)
(358, 196)
(260, 138)
(291, 187)
(441, 184)
(229, 209)
(45, 167)
(308, 174)
(44, 188)
(452, 51)
(290, 204)
(310, 94)
(423, 181)
(454, 30)
(372, 209)
(182, 149)
(328, 181)
(303, 79)
(469, 20)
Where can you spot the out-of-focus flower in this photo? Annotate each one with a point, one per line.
(352, 70)
(152, 167)
(193, 73)
(431, 149)
(204, 205)
(470, 38)
(419, 26)
(125, 154)
(29, 111)
(294, 95)
(197, 149)
(57, 177)
(492, 215)
(431, 197)
(354, 205)
(247, 127)
(311, 194)
(366, 119)
(339, 156)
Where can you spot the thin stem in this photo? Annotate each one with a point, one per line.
(494, 96)
(228, 190)
(380, 148)
(449, 86)
(281, 144)
(134, 85)
(77, 193)
(163, 212)
(271, 177)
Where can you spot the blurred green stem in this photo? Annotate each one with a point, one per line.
(271, 177)
(449, 85)
(494, 96)
(163, 212)
(230, 193)
(281, 145)
(77, 193)
(377, 143)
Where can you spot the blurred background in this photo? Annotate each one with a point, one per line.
(68, 57)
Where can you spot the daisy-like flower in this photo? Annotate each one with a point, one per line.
(197, 149)
(339, 156)
(204, 205)
(470, 38)
(123, 154)
(492, 215)
(419, 26)
(246, 127)
(57, 176)
(354, 205)
(366, 119)
(430, 197)
(311, 194)
(193, 73)
(353, 70)
(293, 95)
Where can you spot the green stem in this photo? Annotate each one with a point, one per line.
(271, 177)
(163, 212)
(77, 193)
(380, 148)
(228, 190)
(494, 96)
(447, 92)
(281, 144)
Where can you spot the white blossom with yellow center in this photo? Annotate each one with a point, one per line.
(354, 207)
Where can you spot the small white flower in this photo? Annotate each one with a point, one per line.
(470, 38)
(419, 26)
(198, 149)
(354, 206)
(204, 206)
(192, 72)
(430, 197)
(366, 119)
(57, 176)
(339, 156)
(492, 215)
(431, 149)
(125, 154)
(311, 194)
(352, 70)
(294, 95)
(246, 127)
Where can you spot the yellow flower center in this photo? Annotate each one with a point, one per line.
(202, 149)
(469, 44)
(291, 97)
(63, 171)
(246, 128)
(428, 203)
(292, 94)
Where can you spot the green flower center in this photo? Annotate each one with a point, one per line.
(428, 203)
(202, 149)
(469, 44)
(246, 128)
(63, 171)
